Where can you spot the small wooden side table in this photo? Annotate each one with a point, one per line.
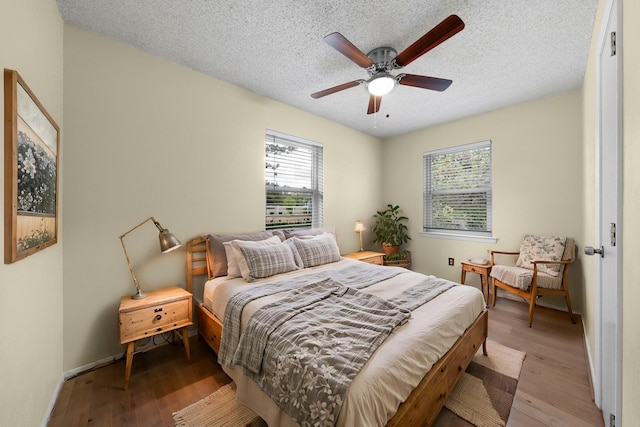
(483, 270)
(161, 311)
(367, 256)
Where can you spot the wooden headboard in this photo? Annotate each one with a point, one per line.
(197, 261)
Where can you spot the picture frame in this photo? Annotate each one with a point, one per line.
(31, 147)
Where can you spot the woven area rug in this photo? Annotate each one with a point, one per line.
(219, 409)
(482, 397)
(484, 394)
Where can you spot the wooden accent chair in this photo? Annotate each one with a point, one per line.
(541, 269)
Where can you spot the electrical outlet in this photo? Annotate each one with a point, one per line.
(450, 261)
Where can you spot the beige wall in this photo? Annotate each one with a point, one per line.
(537, 181)
(31, 37)
(631, 197)
(145, 137)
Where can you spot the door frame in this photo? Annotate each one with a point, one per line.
(604, 43)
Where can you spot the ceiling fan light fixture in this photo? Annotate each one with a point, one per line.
(381, 84)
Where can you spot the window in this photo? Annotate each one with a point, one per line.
(293, 176)
(457, 191)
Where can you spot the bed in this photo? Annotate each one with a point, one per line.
(407, 377)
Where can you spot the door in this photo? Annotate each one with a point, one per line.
(608, 269)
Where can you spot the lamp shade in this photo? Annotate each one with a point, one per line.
(168, 242)
(381, 84)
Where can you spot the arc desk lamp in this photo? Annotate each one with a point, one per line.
(168, 243)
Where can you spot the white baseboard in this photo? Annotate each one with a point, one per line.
(52, 403)
(91, 366)
(590, 364)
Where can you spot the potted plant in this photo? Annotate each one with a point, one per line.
(389, 229)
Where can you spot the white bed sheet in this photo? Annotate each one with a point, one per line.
(394, 369)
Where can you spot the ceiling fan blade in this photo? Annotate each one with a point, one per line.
(424, 82)
(374, 104)
(345, 47)
(335, 89)
(441, 32)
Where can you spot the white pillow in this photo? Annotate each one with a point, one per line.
(235, 259)
(321, 249)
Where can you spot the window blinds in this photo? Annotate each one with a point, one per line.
(293, 177)
(457, 189)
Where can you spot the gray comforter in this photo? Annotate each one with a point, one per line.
(305, 350)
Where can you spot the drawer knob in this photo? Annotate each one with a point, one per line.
(158, 317)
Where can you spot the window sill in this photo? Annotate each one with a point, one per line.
(459, 236)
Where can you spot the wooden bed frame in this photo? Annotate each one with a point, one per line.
(423, 404)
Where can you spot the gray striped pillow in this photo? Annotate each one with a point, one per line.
(266, 261)
(319, 250)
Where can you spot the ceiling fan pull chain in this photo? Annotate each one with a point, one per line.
(375, 116)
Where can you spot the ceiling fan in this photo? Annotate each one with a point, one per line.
(382, 60)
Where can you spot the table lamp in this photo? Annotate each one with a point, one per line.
(359, 228)
(168, 242)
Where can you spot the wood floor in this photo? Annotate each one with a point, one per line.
(553, 389)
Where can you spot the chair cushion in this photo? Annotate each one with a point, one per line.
(545, 248)
(521, 278)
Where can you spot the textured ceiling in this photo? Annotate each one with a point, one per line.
(509, 51)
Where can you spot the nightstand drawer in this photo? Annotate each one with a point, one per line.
(367, 256)
(474, 269)
(152, 320)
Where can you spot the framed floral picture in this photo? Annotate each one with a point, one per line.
(30, 172)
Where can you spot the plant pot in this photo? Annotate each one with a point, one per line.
(390, 249)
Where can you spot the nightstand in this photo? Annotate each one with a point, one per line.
(483, 270)
(161, 311)
(366, 256)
